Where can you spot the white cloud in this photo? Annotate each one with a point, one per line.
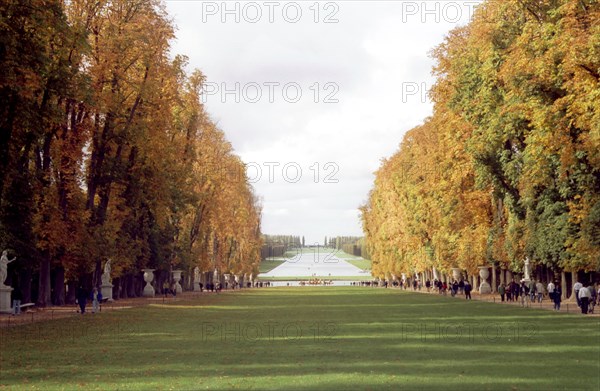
(377, 55)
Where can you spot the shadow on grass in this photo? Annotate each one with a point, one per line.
(308, 338)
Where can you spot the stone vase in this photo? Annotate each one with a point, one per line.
(148, 278)
(484, 286)
(176, 279)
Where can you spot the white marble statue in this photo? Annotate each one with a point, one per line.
(527, 270)
(4, 261)
(196, 274)
(106, 274)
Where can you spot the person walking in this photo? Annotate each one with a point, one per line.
(556, 296)
(550, 288)
(532, 290)
(515, 289)
(96, 297)
(539, 287)
(467, 290)
(524, 292)
(576, 287)
(82, 297)
(584, 298)
(165, 287)
(17, 297)
(502, 292)
(593, 299)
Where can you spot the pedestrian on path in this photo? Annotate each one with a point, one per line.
(532, 290)
(502, 291)
(17, 297)
(96, 298)
(556, 296)
(166, 286)
(515, 289)
(550, 288)
(467, 290)
(524, 292)
(82, 297)
(584, 298)
(576, 287)
(539, 287)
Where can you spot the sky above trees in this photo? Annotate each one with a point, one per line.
(375, 55)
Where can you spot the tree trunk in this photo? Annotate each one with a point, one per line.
(130, 286)
(563, 283)
(44, 293)
(25, 284)
(58, 293)
(139, 285)
(123, 287)
(71, 292)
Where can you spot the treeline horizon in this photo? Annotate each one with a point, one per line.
(278, 245)
(508, 165)
(108, 153)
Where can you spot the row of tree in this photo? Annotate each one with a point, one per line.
(508, 165)
(353, 245)
(278, 245)
(107, 152)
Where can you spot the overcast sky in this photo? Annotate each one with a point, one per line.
(313, 95)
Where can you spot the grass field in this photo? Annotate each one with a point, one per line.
(267, 265)
(308, 338)
(360, 263)
(366, 277)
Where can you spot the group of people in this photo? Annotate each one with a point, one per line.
(528, 292)
(586, 296)
(525, 291)
(532, 291)
(455, 287)
(82, 298)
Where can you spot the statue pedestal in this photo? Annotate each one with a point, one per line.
(107, 291)
(5, 302)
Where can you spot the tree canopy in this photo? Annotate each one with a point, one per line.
(508, 165)
(107, 151)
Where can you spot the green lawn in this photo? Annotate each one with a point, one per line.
(360, 263)
(366, 277)
(267, 265)
(308, 338)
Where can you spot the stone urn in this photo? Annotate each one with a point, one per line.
(176, 279)
(484, 286)
(457, 273)
(148, 277)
